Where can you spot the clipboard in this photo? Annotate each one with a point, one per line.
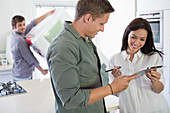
(143, 71)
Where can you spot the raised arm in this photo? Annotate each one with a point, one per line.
(39, 19)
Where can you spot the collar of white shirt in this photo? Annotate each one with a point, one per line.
(127, 56)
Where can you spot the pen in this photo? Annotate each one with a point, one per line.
(112, 69)
(154, 67)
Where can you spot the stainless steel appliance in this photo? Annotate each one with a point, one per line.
(155, 18)
(10, 88)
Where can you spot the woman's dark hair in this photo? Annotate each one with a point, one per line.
(140, 23)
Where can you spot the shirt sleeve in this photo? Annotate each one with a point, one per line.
(27, 54)
(63, 65)
(30, 26)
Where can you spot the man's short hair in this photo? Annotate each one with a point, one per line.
(95, 7)
(16, 19)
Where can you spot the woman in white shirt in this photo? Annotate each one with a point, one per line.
(138, 52)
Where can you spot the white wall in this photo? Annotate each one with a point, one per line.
(110, 40)
(9, 8)
(167, 53)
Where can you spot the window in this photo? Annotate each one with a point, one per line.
(61, 14)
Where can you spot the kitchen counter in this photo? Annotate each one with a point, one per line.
(111, 102)
(39, 99)
(5, 67)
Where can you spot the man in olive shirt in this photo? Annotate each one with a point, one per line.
(74, 64)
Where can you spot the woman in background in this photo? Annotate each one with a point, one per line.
(137, 53)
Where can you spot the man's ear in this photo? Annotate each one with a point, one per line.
(87, 18)
(13, 27)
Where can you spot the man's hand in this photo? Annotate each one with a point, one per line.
(120, 83)
(39, 19)
(43, 71)
(51, 12)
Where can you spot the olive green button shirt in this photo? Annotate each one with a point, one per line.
(74, 68)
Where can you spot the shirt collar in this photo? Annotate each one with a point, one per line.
(139, 54)
(67, 25)
(126, 56)
(15, 32)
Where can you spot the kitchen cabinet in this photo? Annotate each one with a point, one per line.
(5, 67)
(152, 5)
(5, 73)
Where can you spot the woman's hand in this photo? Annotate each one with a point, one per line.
(116, 71)
(153, 75)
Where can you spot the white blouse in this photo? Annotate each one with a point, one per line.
(139, 97)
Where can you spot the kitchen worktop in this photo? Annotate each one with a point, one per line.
(39, 98)
(5, 67)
